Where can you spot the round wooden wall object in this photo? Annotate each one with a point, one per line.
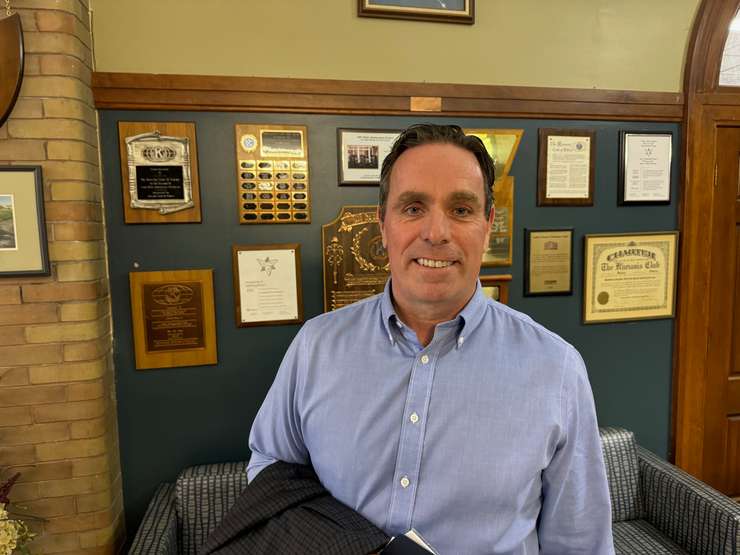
(11, 63)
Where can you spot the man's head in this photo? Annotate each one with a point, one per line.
(425, 133)
(435, 215)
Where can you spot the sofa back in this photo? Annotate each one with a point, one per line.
(622, 473)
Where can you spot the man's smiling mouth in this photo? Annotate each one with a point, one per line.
(429, 263)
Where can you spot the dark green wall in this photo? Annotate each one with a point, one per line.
(172, 418)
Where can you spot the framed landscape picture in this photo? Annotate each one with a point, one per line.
(23, 247)
(449, 11)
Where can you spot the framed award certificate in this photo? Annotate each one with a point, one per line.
(548, 261)
(645, 167)
(629, 277)
(361, 154)
(267, 284)
(565, 172)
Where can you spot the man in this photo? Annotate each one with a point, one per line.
(432, 407)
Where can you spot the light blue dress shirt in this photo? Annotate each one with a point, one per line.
(484, 441)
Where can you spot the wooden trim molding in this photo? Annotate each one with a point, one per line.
(135, 91)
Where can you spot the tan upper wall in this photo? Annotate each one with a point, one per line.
(604, 44)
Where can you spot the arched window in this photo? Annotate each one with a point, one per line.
(729, 71)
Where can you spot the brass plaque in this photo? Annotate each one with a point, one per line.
(173, 314)
(272, 174)
(355, 261)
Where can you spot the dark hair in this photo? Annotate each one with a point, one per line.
(428, 133)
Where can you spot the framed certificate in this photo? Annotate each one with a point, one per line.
(629, 277)
(361, 154)
(23, 246)
(548, 262)
(174, 318)
(565, 172)
(267, 284)
(496, 287)
(645, 167)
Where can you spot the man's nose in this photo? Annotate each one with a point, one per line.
(436, 229)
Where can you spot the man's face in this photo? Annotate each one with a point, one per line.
(435, 229)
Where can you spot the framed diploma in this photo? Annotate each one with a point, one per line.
(565, 173)
(645, 167)
(159, 172)
(23, 245)
(267, 284)
(361, 154)
(629, 277)
(174, 319)
(548, 262)
(496, 287)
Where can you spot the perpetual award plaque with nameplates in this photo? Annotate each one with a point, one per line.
(272, 174)
(355, 260)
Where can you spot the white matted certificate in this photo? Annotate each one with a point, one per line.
(645, 167)
(565, 172)
(629, 277)
(267, 284)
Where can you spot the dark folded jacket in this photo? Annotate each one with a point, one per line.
(286, 510)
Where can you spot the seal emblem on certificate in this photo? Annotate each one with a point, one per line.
(355, 261)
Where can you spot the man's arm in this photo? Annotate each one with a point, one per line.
(576, 510)
(276, 432)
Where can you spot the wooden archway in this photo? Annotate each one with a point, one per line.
(707, 106)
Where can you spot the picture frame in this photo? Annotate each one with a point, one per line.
(360, 154)
(173, 317)
(644, 167)
(548, 262)
(452, 11)
(629, 276)
(267, 284)
(565, 168)
(24, 250)
(496, 286)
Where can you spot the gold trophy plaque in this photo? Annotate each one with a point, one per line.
(272, 174)
(355, 261)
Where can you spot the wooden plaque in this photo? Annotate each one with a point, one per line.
(496, 286)
(133, 215)
(173, 317)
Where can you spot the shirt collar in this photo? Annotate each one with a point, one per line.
(469, 317)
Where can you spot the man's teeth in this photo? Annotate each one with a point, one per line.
(434, 263)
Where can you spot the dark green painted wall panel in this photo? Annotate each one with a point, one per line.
(173, 418)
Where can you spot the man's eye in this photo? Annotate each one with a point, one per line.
(412, 210)
(462, 211)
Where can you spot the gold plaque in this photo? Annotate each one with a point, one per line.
(355, 261)
(173, 318)
(272, 170)
(502, 145)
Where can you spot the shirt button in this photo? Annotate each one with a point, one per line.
(405, 482)
(424, 359)
(414, 418)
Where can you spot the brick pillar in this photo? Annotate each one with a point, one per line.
(57, 397)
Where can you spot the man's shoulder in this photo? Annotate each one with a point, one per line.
(357, 313)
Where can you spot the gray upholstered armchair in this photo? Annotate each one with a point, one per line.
(656, 508)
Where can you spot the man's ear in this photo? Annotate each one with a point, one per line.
(381, 224)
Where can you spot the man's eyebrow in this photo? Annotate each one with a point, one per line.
(464, 196)
(408, 197)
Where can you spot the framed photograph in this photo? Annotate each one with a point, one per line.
(449, 11)
(267, 284)
(159, 172)
(645, 167)
(23, 247)
(496, 287)
(174, 318)
(629, 276)
(565, 169)
(548, 262)
(361, 154)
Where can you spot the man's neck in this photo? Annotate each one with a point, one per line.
(423, 320)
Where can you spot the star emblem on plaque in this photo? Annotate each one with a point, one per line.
(355, 261)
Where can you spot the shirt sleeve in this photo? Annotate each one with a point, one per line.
(576, 509)
(276, 432)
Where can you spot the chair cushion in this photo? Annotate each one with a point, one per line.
(639, 537)
(622, 473)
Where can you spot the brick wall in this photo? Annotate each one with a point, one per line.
(57, 406)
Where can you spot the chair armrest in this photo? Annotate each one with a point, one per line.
(157, 533)
(697, 517)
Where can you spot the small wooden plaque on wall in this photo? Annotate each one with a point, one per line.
(159, 172)
(173, 317)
